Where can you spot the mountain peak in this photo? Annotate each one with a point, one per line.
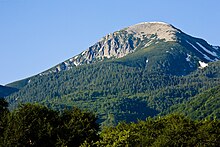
(140, 36)
(162, 30)
(153, 22)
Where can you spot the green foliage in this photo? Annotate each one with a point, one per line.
(77, 127)
(36, 125)
(3, 115)
(3, 106)
(171, 130)
(203, 105)
(31, 125)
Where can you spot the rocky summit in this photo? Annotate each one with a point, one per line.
(128, 40)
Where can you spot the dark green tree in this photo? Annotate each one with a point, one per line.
(77, 127)
(31, 125)
(36, 125)
(3, 116)
(3, 106)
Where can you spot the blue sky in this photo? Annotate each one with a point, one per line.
(38, 34)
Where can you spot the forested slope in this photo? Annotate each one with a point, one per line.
(203, 105)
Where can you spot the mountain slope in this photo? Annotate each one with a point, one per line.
(5, 91)
(133, 73)
(203, 105)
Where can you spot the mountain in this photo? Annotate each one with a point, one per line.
(139, 71)
(5, 91)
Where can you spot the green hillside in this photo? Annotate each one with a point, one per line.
(203, 105)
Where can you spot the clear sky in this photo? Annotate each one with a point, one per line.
(38, 34)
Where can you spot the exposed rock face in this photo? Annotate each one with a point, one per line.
(123, 42)
(115, 45)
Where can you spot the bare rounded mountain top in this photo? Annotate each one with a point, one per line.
(160, 29)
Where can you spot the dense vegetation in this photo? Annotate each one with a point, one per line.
(171, 130)
(204, 105)
(36, 125)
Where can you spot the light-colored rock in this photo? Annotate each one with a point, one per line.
(160, 29)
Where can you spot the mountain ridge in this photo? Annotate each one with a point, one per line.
(127, 40)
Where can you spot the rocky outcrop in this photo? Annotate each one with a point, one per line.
(123, 42)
